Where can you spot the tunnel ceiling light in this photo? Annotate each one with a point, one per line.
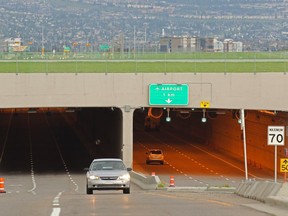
(204, 117)
(32, 110)
(70, 110)
(184, 111)
(221, 112)
(268, 112)
(168, 118)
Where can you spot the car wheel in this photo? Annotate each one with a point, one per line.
(88, 190)
(126, 191)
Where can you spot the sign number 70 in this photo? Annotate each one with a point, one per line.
(275, 135)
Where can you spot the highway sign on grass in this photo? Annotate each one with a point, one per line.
(169, 94)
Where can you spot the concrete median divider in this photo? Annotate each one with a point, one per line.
(275, 194)
(281, 198)
(258, 190)
(145, 182)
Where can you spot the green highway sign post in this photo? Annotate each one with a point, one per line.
(169, 94)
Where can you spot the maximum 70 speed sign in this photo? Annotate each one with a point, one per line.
(276, 135)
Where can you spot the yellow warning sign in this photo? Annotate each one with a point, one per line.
(205, 104)
(284, 165)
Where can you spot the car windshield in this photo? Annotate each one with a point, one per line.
(155, 152)
(107, 165)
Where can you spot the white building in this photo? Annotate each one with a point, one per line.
(232, 46)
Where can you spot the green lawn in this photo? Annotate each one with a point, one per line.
(144, 63)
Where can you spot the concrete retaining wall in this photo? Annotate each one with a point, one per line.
(231, 90)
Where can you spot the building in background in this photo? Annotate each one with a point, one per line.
(197, 44)
(232, 46)
(178, 44)
(13, 45)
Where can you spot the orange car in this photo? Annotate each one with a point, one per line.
(155, 156)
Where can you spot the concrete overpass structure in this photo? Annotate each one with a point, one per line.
(129, 91)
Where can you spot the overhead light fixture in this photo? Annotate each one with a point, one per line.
(204, 119)
(32, 110)
(168, 118)
(69, 110)
(268, 112)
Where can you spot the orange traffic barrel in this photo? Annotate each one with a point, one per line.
(2, 183)
(172, 182)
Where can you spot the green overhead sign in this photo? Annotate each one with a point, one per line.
(104, 47)
(168, 94)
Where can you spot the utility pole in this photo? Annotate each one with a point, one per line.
(42, 47)
(134, 49)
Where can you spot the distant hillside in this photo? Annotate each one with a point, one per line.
(259, 24)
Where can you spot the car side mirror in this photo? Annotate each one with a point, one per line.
(129, 169)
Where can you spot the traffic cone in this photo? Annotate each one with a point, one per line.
(153, 174)
(2, 188)
(172, 183)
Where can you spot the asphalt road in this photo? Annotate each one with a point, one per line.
(63, 194)
(42, 161)
(191, 163)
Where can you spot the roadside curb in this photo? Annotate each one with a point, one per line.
(202, 189)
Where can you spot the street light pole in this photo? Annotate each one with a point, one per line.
(134, 41)
(242, 117)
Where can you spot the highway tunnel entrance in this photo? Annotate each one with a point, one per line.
(53, 138)
(216, 130)
(81, 134)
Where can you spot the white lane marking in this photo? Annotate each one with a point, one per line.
(56, 209)
(31, 161)
(6, 137)
(61, 156)
(56, 212)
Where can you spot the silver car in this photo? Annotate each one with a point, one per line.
(108, 174)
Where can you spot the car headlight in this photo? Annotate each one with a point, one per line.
(125, 177)
(94, 177)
